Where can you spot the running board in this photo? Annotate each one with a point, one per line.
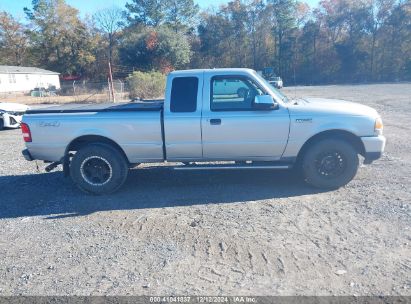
(233, 167)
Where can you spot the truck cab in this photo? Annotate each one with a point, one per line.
(223, 115)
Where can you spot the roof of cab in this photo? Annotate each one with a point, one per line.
(219, 70)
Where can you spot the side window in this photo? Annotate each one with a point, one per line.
(184, 94)
(233, 93)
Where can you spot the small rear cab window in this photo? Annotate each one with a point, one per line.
(184, 94)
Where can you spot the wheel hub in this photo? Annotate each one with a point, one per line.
(330, 164)
(96, 171)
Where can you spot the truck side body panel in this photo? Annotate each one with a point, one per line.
(313, 116)
(259, 135)
(137, 133)
(182, 130)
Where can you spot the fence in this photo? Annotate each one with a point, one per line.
(95, 91)
(73, 92)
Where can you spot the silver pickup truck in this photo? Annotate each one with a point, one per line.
(210, 119)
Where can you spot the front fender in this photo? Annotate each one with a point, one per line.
(304, 128)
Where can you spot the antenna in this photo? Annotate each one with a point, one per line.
(294, 68)
(295, 83)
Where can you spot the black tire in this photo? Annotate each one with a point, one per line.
(330, 164)
(1, 124)
(99, 169)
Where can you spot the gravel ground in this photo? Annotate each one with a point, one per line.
(214, 233)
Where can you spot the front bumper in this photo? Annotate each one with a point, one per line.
(27, 155)
(374, 148)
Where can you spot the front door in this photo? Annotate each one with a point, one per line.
(232, 129)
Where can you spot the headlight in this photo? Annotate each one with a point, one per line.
(379, 126)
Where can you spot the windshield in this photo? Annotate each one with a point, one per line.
(276, 92)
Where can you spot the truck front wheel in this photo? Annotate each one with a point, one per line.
(99, 169)
(330, 164)
(1, 123)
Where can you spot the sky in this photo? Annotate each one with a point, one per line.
(15, 7)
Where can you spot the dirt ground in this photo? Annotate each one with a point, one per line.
(214, 233)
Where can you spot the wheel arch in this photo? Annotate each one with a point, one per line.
(84, 140)
(347, 136)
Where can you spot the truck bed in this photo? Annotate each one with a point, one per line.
(136, 127)
(145, 106)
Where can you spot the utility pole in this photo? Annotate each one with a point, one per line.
(111, 82)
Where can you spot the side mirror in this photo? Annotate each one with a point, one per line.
(264, 102)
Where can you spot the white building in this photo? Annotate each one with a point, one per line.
(25, 79)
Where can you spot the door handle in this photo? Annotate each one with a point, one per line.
(215, 122)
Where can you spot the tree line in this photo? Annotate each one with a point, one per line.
(339, 41)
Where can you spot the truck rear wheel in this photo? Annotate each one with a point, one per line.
(99, 169)
(1, 123)
(330, 164)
